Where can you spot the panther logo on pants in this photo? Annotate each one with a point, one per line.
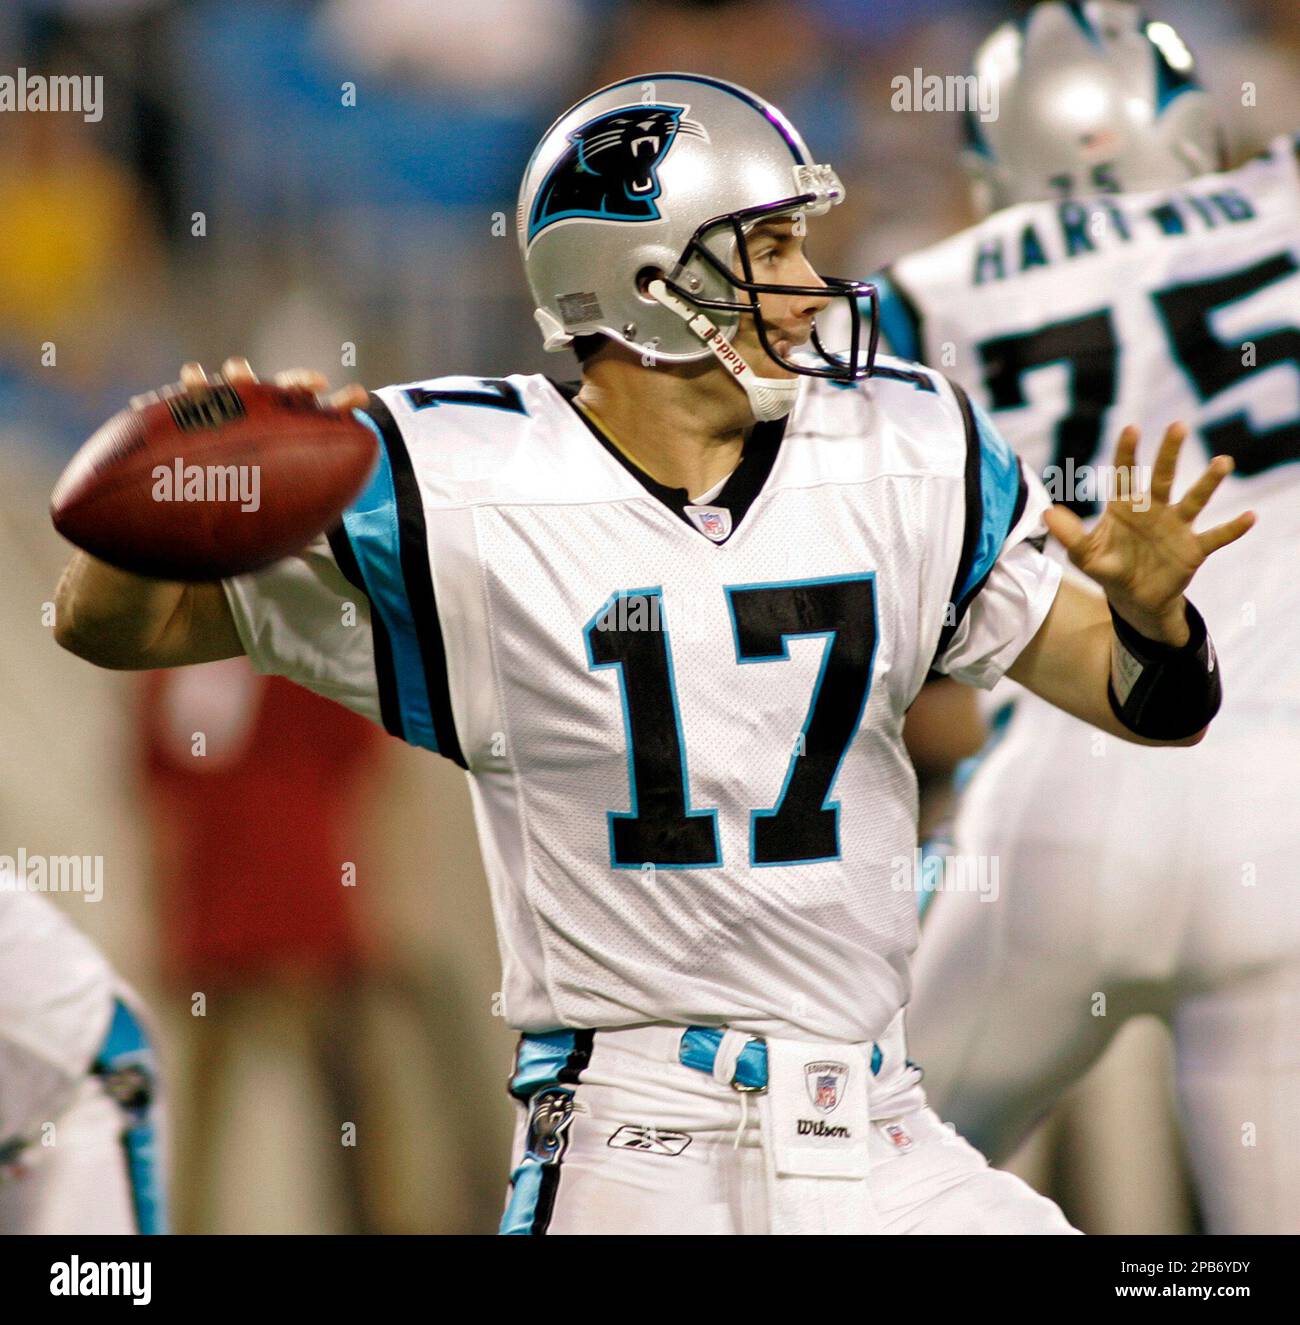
(549, 1117)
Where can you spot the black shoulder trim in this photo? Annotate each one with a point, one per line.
(413, 542)
(974, 519)
(1022, 496)
(390, 708)
(341, 547)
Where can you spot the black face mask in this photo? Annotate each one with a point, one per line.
(853, 367)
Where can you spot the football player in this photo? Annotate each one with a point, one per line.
(81, 1109)
(1120, 275)
(669, 622)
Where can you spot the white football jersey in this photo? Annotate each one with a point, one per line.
(1068, 320)
(682, 721)
(56, 1000)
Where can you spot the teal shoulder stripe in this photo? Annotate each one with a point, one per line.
(1000, 486)
(373, 530)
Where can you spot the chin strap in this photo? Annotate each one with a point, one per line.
(769, 397)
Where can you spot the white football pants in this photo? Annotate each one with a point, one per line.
(617, 1135)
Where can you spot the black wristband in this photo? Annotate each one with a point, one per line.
(1167, 692)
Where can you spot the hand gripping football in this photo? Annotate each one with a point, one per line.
(212, 481)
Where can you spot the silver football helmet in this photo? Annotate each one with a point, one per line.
(632, 220)
(1091, 97)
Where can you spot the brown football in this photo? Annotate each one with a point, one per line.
(201, 484)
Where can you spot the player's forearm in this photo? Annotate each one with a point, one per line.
(115, 619)
(1074, 664)
(1079, 687)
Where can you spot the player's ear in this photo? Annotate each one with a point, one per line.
(644, 278)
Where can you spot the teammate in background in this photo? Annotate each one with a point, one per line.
(1118, 277)
(670, 623)
(81, 1113)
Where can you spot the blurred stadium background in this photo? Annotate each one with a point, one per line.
(230, 200)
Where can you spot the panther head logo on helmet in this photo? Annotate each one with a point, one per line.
(610, 169)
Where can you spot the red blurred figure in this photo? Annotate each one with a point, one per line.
(259, 833)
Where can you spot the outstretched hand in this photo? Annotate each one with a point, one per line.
(1144, 553)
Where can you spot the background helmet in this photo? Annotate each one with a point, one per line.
(1091, 97)
(664, 173)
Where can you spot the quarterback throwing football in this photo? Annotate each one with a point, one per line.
(670, 622)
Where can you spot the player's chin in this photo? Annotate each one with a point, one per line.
(768, 363)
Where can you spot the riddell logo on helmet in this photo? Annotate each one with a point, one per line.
(729, 355)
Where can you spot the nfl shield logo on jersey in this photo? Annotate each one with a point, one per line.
(712, 521)
(825, 1083)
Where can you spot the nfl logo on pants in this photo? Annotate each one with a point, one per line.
(825, 1083)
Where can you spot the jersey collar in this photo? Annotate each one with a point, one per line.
(746, 481)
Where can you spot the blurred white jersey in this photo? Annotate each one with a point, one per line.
(1070, 319)
(1164, 879)
(56, 1001)
(682, 721)
(82, 1117)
